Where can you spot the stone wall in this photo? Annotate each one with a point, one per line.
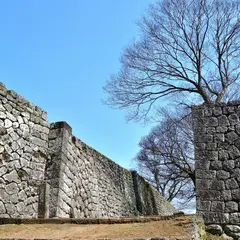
(148, 200)
(45, 171)
(23, 154)
(217, 155)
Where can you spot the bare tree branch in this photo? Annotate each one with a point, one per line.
(166, 157)
(186, 46)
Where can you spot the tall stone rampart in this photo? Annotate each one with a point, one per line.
(217, 155)
(47, 172)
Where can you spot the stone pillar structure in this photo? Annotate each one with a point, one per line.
(58, 137)
(43, 202)
(217, 155)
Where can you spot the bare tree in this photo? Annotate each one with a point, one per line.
(166, 158)
(187, 46)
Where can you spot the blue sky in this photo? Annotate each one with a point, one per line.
(58, 54)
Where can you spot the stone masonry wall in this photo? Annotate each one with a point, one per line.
(217, 155)
(47, 172)
(23, 154)
(149, 202)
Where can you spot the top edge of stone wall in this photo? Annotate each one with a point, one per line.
(12, 96)
(213, 104)
(77, 142)
(80, 144)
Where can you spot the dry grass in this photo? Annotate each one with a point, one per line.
(214, 237)
(172, 229)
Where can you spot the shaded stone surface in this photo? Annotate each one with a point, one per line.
(222, 191)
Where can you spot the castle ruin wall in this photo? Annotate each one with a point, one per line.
(217, 156)
(47, 172)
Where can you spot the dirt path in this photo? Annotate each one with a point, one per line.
(171, 229)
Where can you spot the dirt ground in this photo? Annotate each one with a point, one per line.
(172, 229)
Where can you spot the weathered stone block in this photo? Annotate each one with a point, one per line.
(11, 188)
(202, 184)
(215, 217)
(227, 195)
(211, 146)
(223, 121)
(222, 175)
(233, 119)
(231, 137)
(211, 122)
(219, 137)
(231, 184)
(234, 152)
(234, 218)
(228, 109)
(223, 155)
(217, 111)
(203, 205)
(206, 195)
(211, 130)
(237, 163)
(2, 208)
(221, 129)
(214, 229)
(202, 163)
(216, 165)
(217, 185)
(235, 194)
(228, 165)
(205, 174)
(231, 207)
(233, 231)
(217, 206)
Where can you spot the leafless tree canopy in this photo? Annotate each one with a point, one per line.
(186, 46)
(166, 158)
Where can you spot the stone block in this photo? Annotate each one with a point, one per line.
(43, 201)
(211, 146)
(216, 165)
(202, 163)
(203, 205)
(235, 194)
(11, 188)
(234, 218)
(222, 175)
(234, 152)
(223, 121)
(2, 208)
(217, 206)
(221, 129)
(231, 207)
(219, 137)
(231, 137)
(214, 229)
(233, 119)
(223, 155)
(211, 122)
(228, 109)
(202, 184)
(205, 174)
(232, 230)
(209, 195)
(217, 185)
(228, 165)
(231, 184)
(217, 111)
(215, 217)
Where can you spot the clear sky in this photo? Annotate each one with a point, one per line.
(59, 53)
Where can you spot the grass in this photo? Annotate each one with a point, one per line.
(172, 229)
